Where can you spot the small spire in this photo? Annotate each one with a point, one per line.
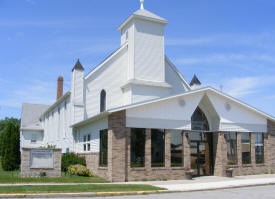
(141, 4)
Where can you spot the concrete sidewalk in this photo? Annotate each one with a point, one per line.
(213, 182)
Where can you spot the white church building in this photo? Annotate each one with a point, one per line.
(135, 117)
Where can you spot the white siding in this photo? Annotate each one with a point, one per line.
(144, 93)
(164, 114)
(174, 80)
(92, 129)
(77, 95)
(27, 136)
(57, 127)
(110, 77)
(149, 51)
(238, 118)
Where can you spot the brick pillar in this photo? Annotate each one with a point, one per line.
(221, 155)
(148, 150)
(128, 153)
(271, 145)
(118, 153)
(253, 158)
(186, 150)
(239, 154)
(167, 149)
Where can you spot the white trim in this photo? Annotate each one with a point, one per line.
(135, 16)
(106, 61)
(145, 83)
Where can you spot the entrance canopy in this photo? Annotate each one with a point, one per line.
(222, 112)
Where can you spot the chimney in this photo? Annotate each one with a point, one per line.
(59, 88)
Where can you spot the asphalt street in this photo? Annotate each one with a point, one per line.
(260, 192)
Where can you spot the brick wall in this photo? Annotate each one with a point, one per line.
(26, 171)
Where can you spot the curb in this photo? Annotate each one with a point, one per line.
(104, 194)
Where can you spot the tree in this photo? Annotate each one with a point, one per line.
(10, 147)
(3, 125)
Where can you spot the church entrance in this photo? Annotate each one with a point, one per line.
(201, 143)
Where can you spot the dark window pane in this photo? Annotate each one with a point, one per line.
(176, 148)
(231, 140)
(103, 154)
(137, 147)
(246, 148)
(89, 138)
(84, 147)
(199, 121)
(259, 148)
(89, 147)
(103, 101)
(157, 148)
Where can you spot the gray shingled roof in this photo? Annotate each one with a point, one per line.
(30, 115)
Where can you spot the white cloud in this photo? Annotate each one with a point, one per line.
(243, 86)
(229, 59)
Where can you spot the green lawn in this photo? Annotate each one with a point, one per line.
(76, 188)
(12, 177)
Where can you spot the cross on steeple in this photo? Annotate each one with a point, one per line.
(141, 4)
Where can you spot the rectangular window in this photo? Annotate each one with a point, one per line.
(231, 141)
(246, 148)
(157, 148)
(103, 151)
(86, 142)
(176, 148)
(138, 137)
(259, 148)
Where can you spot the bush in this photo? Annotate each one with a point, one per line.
(79, 170)
(70, 159)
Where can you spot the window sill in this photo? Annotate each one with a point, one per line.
(102, 168)
(177, 168)
(158, 168)
(138, 169)
(260, 165)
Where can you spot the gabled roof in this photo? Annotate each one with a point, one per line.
(145, 15)
(30, 116)
(78, 66)
(195, 81)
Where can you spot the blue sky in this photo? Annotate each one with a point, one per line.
(228, 43)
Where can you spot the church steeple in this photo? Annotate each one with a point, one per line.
(144, 33)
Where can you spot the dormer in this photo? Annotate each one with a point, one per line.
(144, 32)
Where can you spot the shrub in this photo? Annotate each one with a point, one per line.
(79, 170)
(70, 159)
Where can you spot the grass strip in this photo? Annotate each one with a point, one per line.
(75, 189)
(63, 179)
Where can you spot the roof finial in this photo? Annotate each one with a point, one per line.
(141, 4)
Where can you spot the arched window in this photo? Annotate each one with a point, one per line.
(199, 121)
(102, 101)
